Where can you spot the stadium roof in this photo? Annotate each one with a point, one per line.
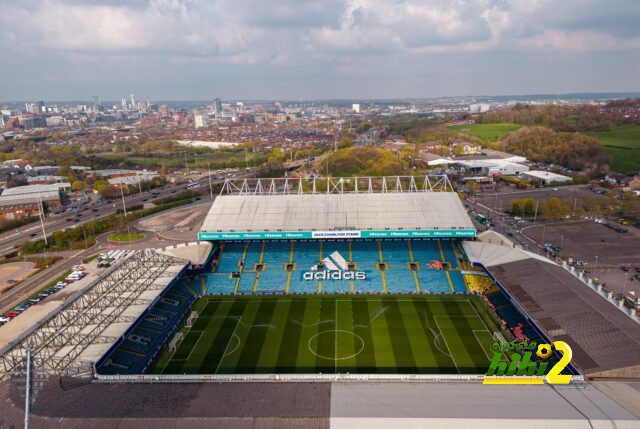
(71, 403)
(605, 341)
(413, 214)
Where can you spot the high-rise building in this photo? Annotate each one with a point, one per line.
(217, 106)
(133, 102)
(164, 111)
(123, 103)
(355, 108)
(200, 121)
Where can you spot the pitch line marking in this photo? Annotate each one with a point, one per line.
(335, 358)
(485, 325)
(477, 314)
(236, 347)
(445, 343)
(335, 335)
(480, 342)
(228, 342)
(195, 345)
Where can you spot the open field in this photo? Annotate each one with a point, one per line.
(333, 334)
(622, 144)
(488, 132)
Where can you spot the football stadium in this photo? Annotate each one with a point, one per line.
(323, 283)
(314, 282)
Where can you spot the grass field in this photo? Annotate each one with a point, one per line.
(126, 237)
(487, 132)
(622, 144)
(333, 334)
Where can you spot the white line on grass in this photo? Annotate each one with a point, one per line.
(445, 342)
(195, 345)
(485, 325)
(335, 349)
(480, 342)
(228, 342)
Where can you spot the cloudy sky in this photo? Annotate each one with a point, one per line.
(291, 49)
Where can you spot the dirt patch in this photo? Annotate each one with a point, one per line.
(16, 271)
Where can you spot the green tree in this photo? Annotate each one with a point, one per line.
(529, 206)
(100, 186)
(554, 208)
(516, 207)
(345, 142)
(543, 210)
(78, 185)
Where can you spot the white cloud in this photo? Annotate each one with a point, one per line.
(321, 37)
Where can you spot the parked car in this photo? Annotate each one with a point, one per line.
(625, 268)
(4, 319)
(10, 314)
(11, 281)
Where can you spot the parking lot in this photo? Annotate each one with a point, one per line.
(585, 240)
(502, 200)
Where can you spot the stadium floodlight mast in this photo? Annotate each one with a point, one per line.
(27, 391)
(124, 206)
(41, 210)
(209, 174)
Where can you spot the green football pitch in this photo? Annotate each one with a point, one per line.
(426, 334)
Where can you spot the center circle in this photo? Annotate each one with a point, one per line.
(335, 336)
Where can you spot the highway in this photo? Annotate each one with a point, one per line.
(10, 240)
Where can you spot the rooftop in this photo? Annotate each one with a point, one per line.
(605, 341)
(35, 189)
(337, 212)
(547, 175)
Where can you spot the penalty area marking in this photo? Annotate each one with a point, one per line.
(445, 343)
(335, 358)
(235, 348)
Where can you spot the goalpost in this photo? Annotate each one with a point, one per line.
(193, 316)
(173, 344)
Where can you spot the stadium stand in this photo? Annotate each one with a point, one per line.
(137, 348)
(274, 277)
(386, 264)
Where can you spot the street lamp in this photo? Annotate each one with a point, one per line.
(41, 210)
(124, 206)
(210, 185)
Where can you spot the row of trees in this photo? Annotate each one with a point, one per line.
(556, 208)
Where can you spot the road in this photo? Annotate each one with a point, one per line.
(10, 240)
(501, 223)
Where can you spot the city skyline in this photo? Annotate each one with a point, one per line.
(356, 49)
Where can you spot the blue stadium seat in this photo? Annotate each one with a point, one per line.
(399, 276)
(135, 352)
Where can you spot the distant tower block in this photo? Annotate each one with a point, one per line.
(133, 102)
